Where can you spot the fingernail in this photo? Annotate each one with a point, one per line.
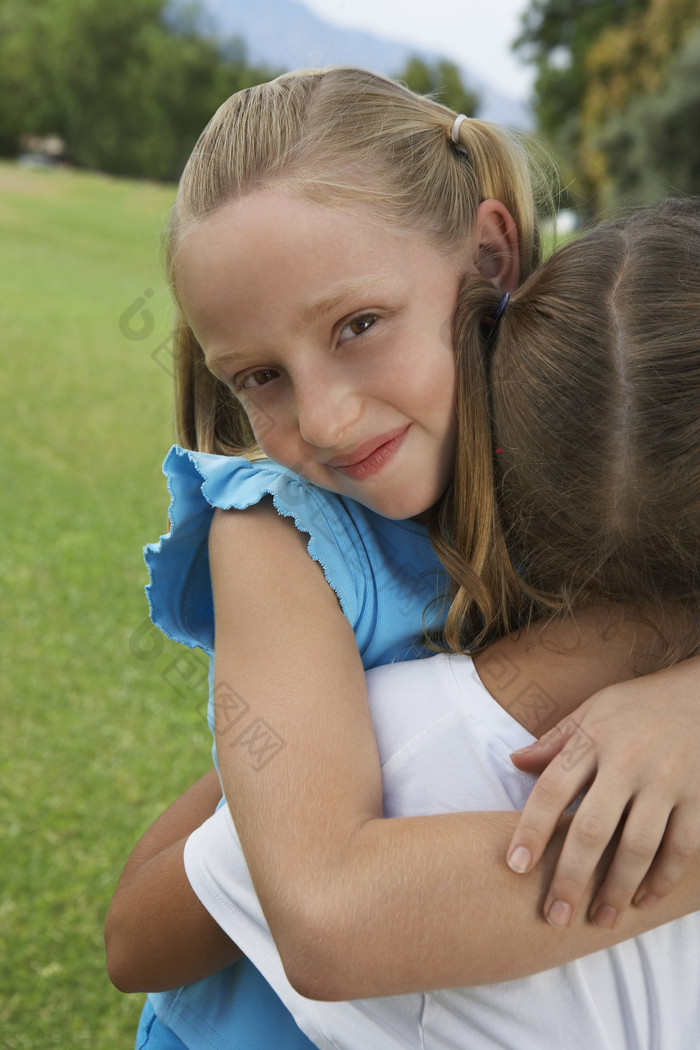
(525, 750)
(520, 860)
(605, 917)
(559, 915)
(646, 900)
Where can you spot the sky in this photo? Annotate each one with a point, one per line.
(475, 33)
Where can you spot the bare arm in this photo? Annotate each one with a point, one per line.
(157, 934)
(358, 905)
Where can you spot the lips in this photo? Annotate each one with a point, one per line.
(371, 457)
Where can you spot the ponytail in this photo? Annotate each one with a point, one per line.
(467, 535)
(591, 388)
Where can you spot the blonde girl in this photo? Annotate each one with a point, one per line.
(322, 229)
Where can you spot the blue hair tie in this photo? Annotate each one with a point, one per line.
(501, 308)
(492, 321)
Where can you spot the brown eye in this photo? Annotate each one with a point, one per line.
(260, 377)
(358, 326)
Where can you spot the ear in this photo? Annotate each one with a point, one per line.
(496, 242)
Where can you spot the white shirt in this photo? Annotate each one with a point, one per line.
(444, 744)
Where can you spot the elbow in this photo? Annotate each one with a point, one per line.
(119, 972)
(122, 980)
(310, 979)
(318, 986)
(122, 966)
(320, 957)
(314, 976)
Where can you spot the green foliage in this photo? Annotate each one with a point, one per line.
(442, 80)
(102, 728)
(556, 36)
(652, 147)
(615, 96)
(640, 110)
(128, 92)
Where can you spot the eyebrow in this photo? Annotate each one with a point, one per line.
(366, 286)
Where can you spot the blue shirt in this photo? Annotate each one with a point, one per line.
(389, 584)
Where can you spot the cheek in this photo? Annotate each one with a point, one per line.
(268, 430)
(445, 333)
(262, 421)
(433, 383)
(280, 442)
(274, 446)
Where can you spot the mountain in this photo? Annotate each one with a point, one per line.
(284, 34)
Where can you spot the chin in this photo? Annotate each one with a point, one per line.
(411, 510)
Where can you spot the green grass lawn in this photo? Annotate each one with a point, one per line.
(100, 729)
(102, 725)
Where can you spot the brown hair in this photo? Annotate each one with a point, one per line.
(587, 461)
(337, 135)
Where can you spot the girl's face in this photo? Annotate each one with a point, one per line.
(334, 330)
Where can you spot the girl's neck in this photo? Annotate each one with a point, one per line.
(542, 673)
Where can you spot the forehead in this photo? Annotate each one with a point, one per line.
(265, 223)
(271, 251)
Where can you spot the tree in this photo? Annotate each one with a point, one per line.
(126, 90)
(635, 58)
(442, 80)
(556, 36)
(607, 91)
(651, 147)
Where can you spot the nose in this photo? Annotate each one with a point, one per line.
(327, 410)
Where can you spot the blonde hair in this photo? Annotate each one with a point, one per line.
(334, 136)
(585, 435)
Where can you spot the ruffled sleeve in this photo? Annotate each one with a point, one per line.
(179, 591)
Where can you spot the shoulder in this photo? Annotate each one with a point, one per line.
(384, 573)
(281, 511)
(255, 536)
(201, 482)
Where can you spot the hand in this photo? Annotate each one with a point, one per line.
(634, 746)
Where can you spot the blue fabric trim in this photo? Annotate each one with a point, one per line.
(384, 572)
